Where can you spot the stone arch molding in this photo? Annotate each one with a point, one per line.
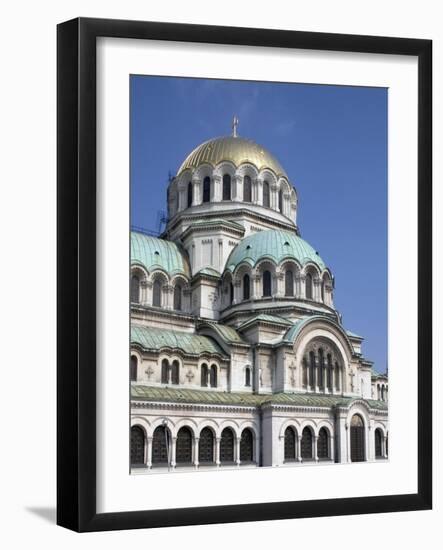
(327, 330)
(290, 423)
(332, 336)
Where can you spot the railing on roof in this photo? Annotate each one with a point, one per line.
(149, 232)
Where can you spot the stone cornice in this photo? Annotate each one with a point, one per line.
(205, 229)
(241, 211)
(192, 406)
(178, 351)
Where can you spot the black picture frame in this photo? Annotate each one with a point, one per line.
(76, 280)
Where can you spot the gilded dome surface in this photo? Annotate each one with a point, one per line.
(233, 149)
(276, 245)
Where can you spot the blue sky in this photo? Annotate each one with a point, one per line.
(332, 142)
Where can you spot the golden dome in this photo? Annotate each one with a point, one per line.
(233, 149)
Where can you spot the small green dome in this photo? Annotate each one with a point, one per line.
(153, 253)
(273, 244)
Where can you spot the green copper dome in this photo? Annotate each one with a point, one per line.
(153, 253)
(273, 244)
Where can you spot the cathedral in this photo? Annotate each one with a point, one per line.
(238, 357)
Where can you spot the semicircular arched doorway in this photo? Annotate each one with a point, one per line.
(357, 439)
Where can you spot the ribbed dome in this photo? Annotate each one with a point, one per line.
(153, 253)
(275, 245)
(234, 149)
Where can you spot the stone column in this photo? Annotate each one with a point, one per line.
(182, 198)
(258, 199)
(148, 452)
(302, 282)
(196, 192)
(274, 197)
(293, 214)
(215, 195)
(369, 443)
(146, 291)
(314, 450)
(348, 442)
(286, 205)
(331, 447)
(316, 289)
(168, 293)
(237, 450)
(173, 447)
(256, 279)
(257, 449)
(280, 284)
(274, 284)
(217, 451)
(187, 300)
(196, 443)
(298, 451)
(220, 256)
(341, 431)
(316, 377)
(237, 188)
(237, 292)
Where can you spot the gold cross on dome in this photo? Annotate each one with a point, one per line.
(234, 126)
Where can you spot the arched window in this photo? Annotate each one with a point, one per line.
(246, 287)
(321, 368)
(183, 449)
(337, 376)
(137, 446)
(305, 373)
(382, 393)
(160, 445)
(306, 444)
(227, 445)
(206, 189)
(289, 283)
(226, 187)
(378, 392)
(213, 376)
(175, 372)
(280, 200)
(247, 189)
(206, 446)
(246, 446)
(165, 371)
(378, 443)
(312, 369)
(329, 371)
(178, 297)
(266, 194)
(247, 376)
(189, 194)
(135, 289)
(323, 444)
(322, 291)
(157, 293)
(386, 445)
(204, 375)
(231, 293)
(289, 444)
(357, 439)
(133, 368)
(267, 290)
(309, 286)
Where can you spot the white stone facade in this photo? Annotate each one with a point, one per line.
(238, 356)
